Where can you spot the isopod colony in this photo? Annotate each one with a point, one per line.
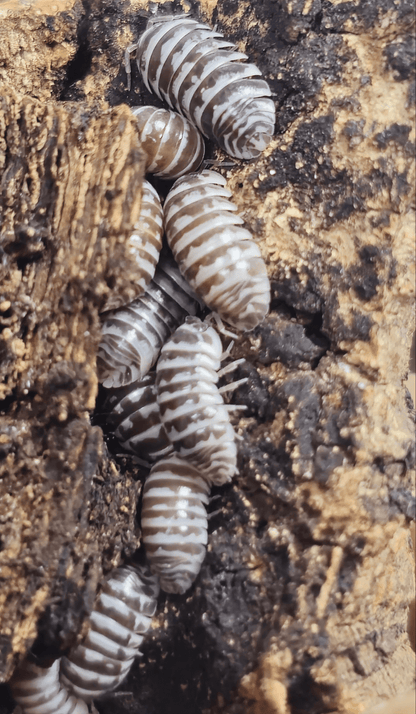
(172, 419)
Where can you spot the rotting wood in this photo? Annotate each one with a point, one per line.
(278, 620)
(70, 187)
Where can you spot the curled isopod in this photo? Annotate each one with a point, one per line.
(214, 252)
(118, 623)
(134, 416)
(199, 73)
(191, 406)
(133, 335)
(174, 522)
(145, 243)
(39, 691)
(172, 144)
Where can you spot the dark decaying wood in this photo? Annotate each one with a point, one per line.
(301, 605)
(70, 191)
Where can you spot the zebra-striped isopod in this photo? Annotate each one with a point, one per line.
(118, 623)
(198, 73)
(39, 691)
(133, 335)
(174, 522)
(172, 144)
(145, 243)
(191, 407)
(214, 252)
(136, 421)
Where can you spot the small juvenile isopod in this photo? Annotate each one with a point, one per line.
(118, 623)
(214, 252)
(135, 419)
(133, 335)
(145, 243)
(174, 522)
(198, 73)
(191, 406)
(39, 691)
(172, 144)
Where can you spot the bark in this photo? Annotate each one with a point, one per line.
(302, 602)
(70, 192)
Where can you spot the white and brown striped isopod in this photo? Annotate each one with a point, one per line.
(145, 243)
(214, 252)
(118, 623)
(191, 406)
(133, 335)
(172, 144)
(39, 691)
(135, 419)
(198, 73)
(174, 522)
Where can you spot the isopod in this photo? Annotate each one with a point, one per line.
(214, 252)
(172, 144)
(39, 691)
(135, 419)
(133, 335)
(118, 623)
(174, 522)
(199, 73)
(145, 243)
(191, 406)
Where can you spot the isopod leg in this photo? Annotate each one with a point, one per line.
(220, 326)
(230, 388)
(127, 64)
(207, 163)
(229, 368)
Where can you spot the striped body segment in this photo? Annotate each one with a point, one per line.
(174, 522)
(214, 252)
(201, 75)
(172, 144)
(145, 243)
(135, 419)
(133, 335)
(39, 691)
(118, 623)
(191, 407)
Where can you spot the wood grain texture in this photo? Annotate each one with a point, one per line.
(70, 192)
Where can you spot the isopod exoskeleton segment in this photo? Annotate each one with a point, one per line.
(133, 335)
(172, 144)
(135, 419)
(215, 253)
(145, 243)
(200, 74)
(39, 691)
(118, 623)
(191, 407)
(174, 522)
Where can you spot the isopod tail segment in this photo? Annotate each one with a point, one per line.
(40, 691)
(118, 623)
(174, 522)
